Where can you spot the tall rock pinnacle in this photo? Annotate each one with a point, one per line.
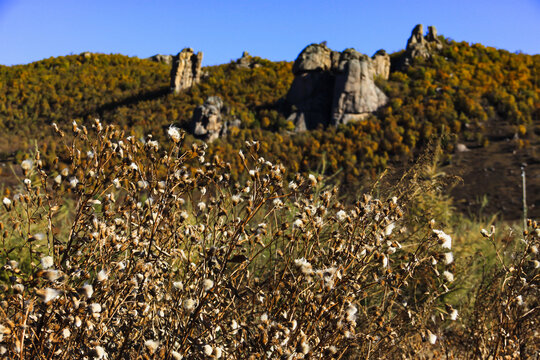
(186, 70)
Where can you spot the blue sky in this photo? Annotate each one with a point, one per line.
(31, 30)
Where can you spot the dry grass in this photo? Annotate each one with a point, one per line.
(161, 259)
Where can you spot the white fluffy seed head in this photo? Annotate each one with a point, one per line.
(151, 345)
(87, 290)
(207, 284)
(47, 262)
(432, 338)
(448, 258)
(176, 355)
(95, 308)
(174, 134)
(189, 305)
(448, 276)
(445, 239)
(304, 265)
(27, 164)
(99, 353)
(102, 276)
(207, 349)
(48, 294)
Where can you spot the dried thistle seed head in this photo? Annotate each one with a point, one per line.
(87, 290)
(304, 265)
(18, 288)
(444, 239)
(102, 275)
(7, 203)
(207, 284)
(189, 305)
(178, 285)
(52, 275)
(73, 182)
(47, 295)
(98, 353)
(176, 355)
(448, 258)
(151, 345)
(208, 350)
(47, 262)
(95, 308)
(448, 276)
(432, 338)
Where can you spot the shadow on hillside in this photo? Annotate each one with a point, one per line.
(131, 100)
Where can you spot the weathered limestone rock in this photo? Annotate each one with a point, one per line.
(419, 45)
(165, 59)
(355, 92)
(186, 70)
(334, 88)
(207, 121)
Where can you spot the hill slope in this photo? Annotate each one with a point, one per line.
(464, 93)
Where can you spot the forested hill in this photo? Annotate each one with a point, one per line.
(131, 92)
(470, 94)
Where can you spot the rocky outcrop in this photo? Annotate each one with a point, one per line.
(164, 59)
(355, 93)
(186, 70)
(315, 57)
(311, 90)
(419, 45)
(208, 121)
(381, 64)
(246, 61)
(335, 88)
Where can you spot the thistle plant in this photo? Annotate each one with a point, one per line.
(163, 256)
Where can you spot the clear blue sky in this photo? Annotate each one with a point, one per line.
(31, 30)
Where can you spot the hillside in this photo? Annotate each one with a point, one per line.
(485, 98)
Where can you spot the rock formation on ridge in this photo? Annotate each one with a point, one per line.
(246, 61)
(186, 70)
(419, 45)
(355, 92)
(165, 59)
(334, 88)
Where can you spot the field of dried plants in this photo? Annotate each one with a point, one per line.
(140, 250)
